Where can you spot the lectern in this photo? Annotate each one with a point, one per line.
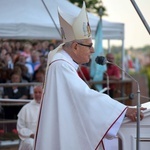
(127, 132)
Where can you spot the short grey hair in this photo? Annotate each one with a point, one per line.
(36, 86)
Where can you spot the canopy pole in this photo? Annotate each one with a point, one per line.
(140, 15)
(51, 17)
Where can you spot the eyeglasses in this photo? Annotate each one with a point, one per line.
(89, 46)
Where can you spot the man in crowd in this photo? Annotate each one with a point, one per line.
(113, 73)
(73, 116)
(14, 92)
(27, 120)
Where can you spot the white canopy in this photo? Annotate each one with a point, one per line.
(28, 19)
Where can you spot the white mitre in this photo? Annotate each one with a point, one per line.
(72, 28)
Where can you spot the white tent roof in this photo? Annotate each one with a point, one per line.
(28, 19)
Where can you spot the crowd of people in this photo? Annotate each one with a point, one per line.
(24, 62)
(23, 57)
(21, 62)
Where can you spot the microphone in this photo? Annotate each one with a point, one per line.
(101, 60)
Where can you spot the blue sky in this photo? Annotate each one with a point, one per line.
(123, 11)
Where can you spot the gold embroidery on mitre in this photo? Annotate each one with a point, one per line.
(88, 29)
(84, 29)
(62, 33)
(74, 27)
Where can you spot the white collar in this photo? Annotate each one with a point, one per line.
(75, 65)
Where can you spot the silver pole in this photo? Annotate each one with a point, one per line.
(141, 15)
(51, 17)
(138, 121)
(138, 108)
(138, 92)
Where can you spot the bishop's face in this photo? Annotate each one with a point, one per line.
(83, 51)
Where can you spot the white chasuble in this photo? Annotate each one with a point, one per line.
(73, 116)
(27, 124)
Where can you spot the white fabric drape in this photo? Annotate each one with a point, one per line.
(27, 123)
(73, 116)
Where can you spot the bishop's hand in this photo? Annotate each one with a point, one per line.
(131, 113)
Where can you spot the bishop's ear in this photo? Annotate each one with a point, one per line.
(74, 46)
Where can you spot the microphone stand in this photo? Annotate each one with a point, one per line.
(138, 92)
(107, 80)
(83, 76)
(138, 107)
(107, 85)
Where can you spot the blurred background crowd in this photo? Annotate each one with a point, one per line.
(22, 61)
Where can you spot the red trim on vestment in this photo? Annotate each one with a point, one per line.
(62, 60)
(42, 103)
(108, 130)
(103, 145)
(38, 121)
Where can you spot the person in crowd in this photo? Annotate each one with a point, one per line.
(0, 45)
(44, 47)
(113, 73)
(43, 61)
(84, 72)
(18, 46)
(37, 46)
(4, 74)
(27, 120)
(26, 77)
(27, 49)
(35, 60)
(22, 60)
(73, 116)
(8, 61)
(38, 76)
(2, 54)
(51, 46)
(12, 45)
(14, 92)
(6, 45)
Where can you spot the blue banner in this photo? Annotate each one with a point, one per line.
(96, 71)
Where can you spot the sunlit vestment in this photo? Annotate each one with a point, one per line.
(27, 123)
(73, 116)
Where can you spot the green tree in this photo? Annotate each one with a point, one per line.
(93, 6)
(146, 71)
